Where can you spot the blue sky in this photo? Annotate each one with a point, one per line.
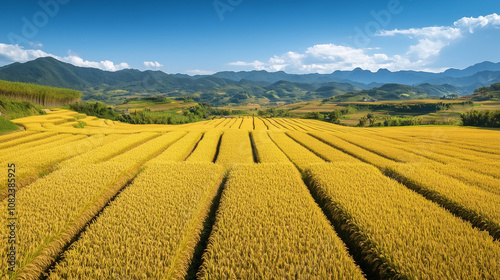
(207, 36)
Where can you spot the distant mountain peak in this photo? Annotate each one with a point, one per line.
(52, 72)
(471, 70)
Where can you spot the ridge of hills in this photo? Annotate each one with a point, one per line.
(245, 87)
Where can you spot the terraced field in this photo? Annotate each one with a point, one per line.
(248, 198)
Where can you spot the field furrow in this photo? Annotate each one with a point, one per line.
(57, 207)
(269, 227)
(206, 149)
(110, 149)
(235, 148)
(353, 150)
(247, 124)
(309, 126)
(180, 149)
(4, 138)
(271, 125)
(378, 219)
(384, 149)
(237, 123)
(301, 126)
(137, 237)
(266, 150)
(50, 142)
(25, 140)
(260, 124)
(247, 197)
(285, 124)
(222, 123)
(474, 204)
(321, 149)
(297, 154)
(32, 166)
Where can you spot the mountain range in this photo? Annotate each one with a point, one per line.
(245, 86)
(481, 74)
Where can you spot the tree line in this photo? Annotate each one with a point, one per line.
(409, 108)
(195, 113)
(484, 118)
(43, 95)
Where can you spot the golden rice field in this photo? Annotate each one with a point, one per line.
(247, 198)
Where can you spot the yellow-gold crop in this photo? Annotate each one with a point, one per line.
(180, 149)
(269, 227)
(402, 233)
(247, 198)
(207, 147)
(266, 150)
(235, 148)
(298, 154)
(138, 237)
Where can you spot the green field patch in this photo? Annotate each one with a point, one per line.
(7, 126)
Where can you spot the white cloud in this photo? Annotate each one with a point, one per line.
(431, 40)
(472, 23)
(335, 54)
(36, 45)
(380, 57)
(16, 53)
(199, 72)
(256, 64)
(152, 64)
(103, 65)
(434, 32)
(427, 48)
(326, 58)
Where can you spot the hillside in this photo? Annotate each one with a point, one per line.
(43, 95)
(12, 109)
(116, 87)
(441, 90)
(19, 100)
(241, 88)
(487, 93)
(387, 92)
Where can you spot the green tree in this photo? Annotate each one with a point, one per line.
(334, 116)
(362, 121)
